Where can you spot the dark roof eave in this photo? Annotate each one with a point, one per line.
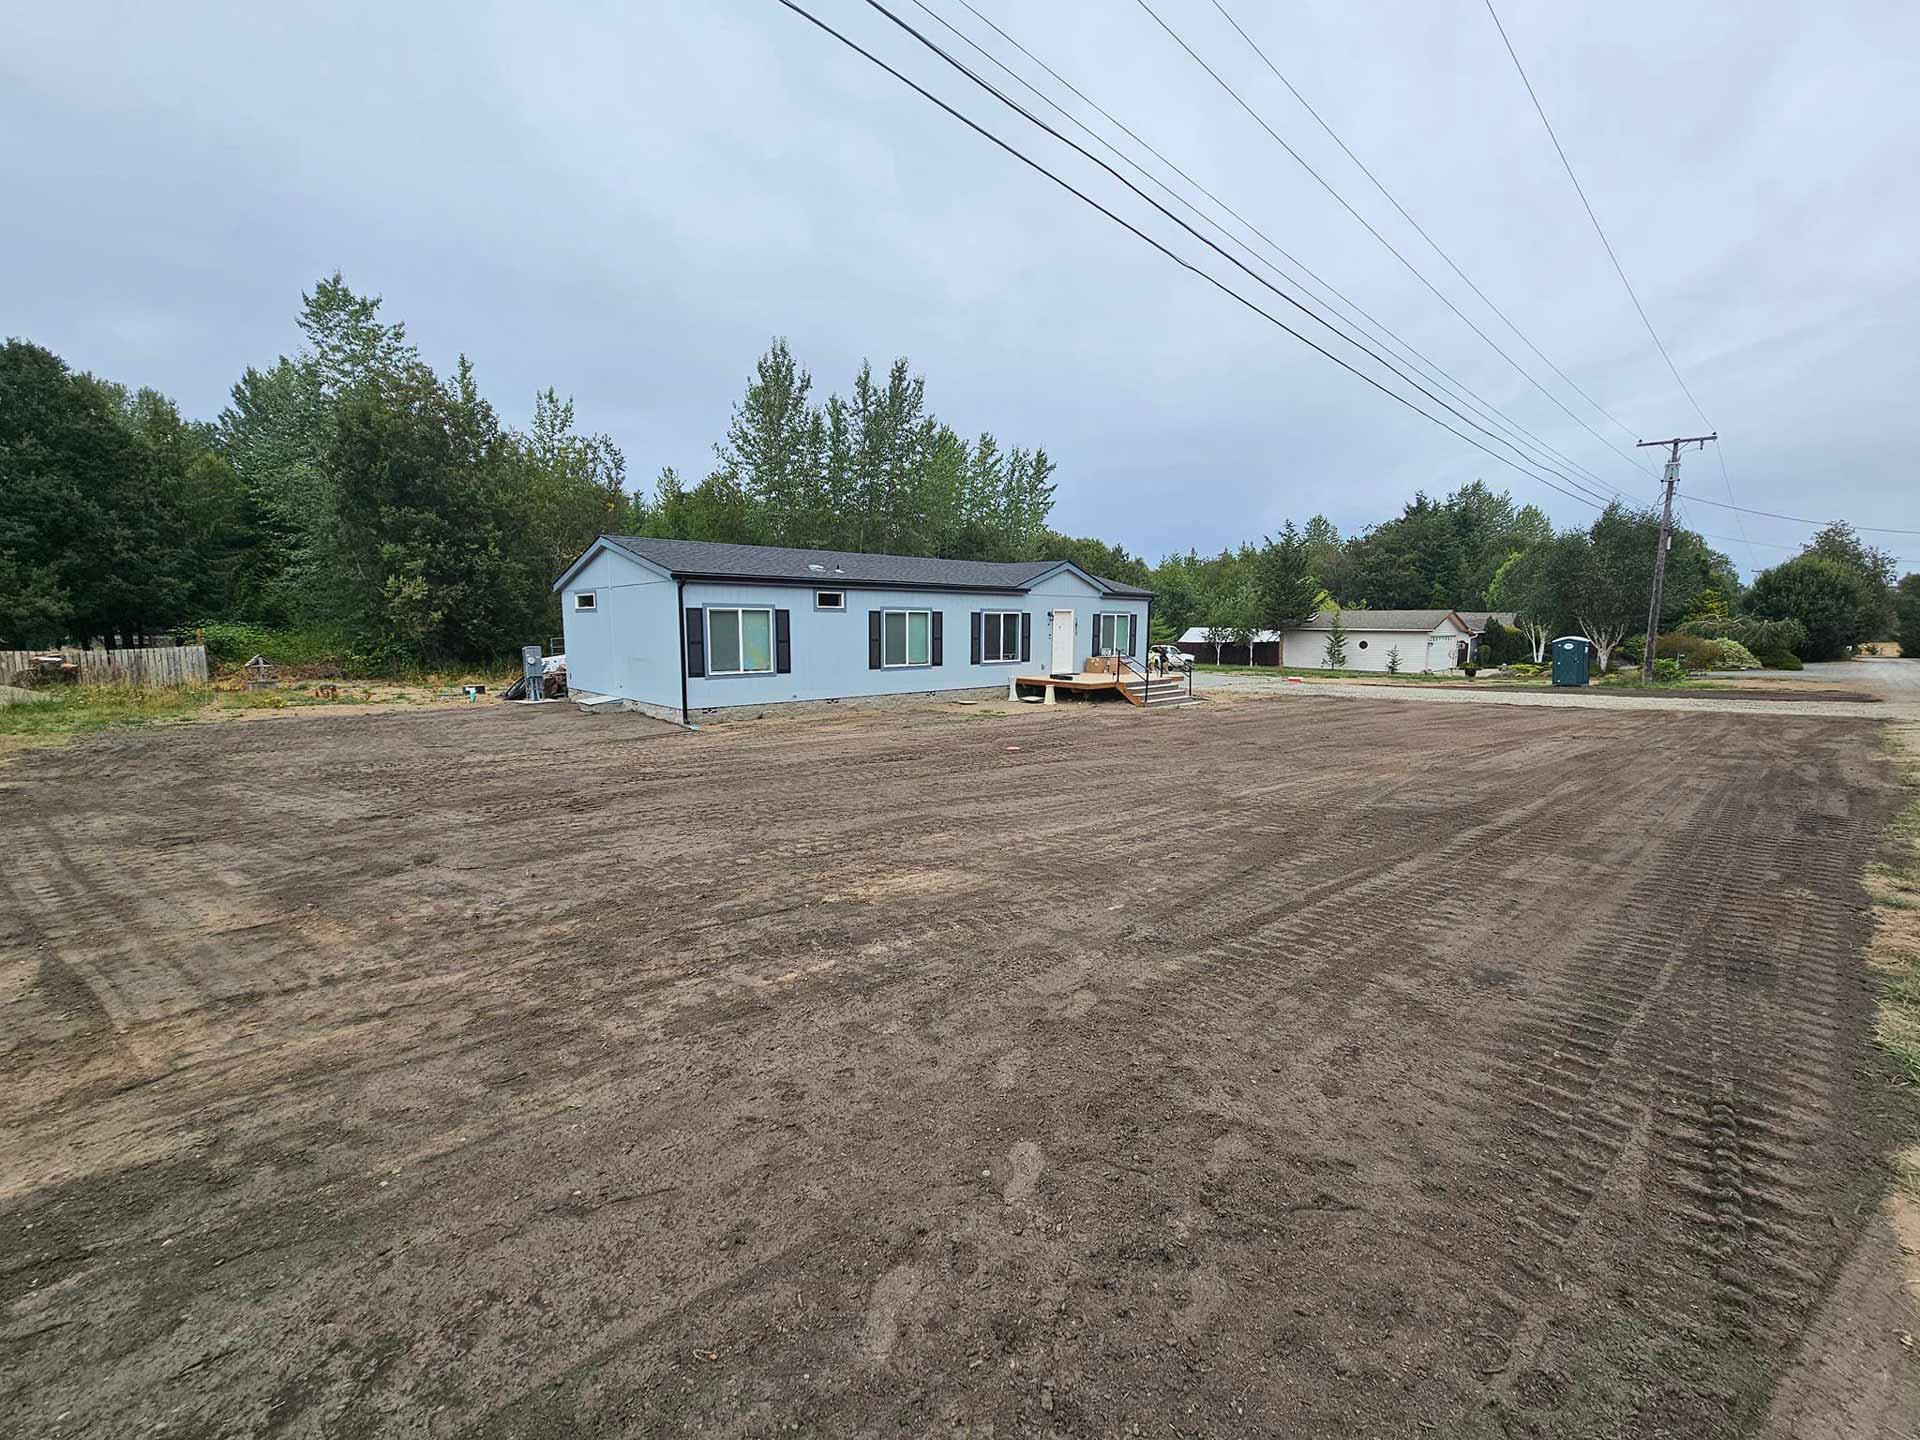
(842, 582)
(839, 582)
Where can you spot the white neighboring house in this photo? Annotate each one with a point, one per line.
(1428, 640)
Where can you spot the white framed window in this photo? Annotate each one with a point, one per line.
(906, 638)
(1113, 634)
(739, 641)
(829, 599)
(586, 600)
(999, 636)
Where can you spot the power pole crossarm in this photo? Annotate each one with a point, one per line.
(1668, 483)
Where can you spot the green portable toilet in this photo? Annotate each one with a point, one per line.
(1572, 659)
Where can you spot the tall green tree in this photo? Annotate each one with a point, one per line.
(424, 476)
(1907, 616)
(1537, 584)
(97, 494)
(280, 427)
(1829, 597)
(1408, 563)
(871, 470)
(1283, 580)
(774, 452)
(1876, 568)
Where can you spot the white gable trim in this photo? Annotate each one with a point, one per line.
(1098, 586)
(605, 542)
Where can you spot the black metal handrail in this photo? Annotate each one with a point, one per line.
(1146, 675)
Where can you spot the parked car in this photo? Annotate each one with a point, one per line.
(1169, 657)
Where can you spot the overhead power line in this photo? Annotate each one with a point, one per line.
(1801, 519)
(1579, 190)
(1365, 320)
(1719, 453)
(1304, 309)
(1149, 240)
(1391, 249)
(1466, 279)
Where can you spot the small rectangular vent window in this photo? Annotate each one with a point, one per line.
(586, 600)
(829, 600)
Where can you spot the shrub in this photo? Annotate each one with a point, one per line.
(1781, 660)
(234, 642)
(1524, 667)
(1760, 636)
(1666, 671)
(1734, 656)
(1631, 650)
(1502, 643)
(1691, 652)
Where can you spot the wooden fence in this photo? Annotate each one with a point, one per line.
(158, 666)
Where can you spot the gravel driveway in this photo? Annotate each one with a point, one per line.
(1899, 680)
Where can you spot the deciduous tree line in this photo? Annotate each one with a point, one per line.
(344, 487)
(349, 487)
(1477, 550)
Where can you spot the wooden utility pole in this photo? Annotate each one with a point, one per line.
(1668, 483)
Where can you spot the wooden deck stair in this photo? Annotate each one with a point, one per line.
(1153, 693)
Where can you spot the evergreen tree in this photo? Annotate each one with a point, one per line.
(1283, 581)
(1335, 655)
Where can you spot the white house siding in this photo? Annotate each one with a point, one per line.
(1367, 649)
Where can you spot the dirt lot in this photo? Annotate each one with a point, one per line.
(1358, 1068)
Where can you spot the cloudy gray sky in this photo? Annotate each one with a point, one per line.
(627, 201)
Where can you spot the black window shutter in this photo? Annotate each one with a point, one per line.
(873, 639)
(696, 642)
(783, 642)
(976, 637)
(1026, 637)
(938, 616)
(1133, 624)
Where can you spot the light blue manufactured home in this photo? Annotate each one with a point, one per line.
(682, 627)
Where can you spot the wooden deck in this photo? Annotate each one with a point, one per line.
(1081, 681)
(1160, 689)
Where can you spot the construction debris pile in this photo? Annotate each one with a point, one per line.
(552, 682)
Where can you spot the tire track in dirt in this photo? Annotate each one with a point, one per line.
(1416, 1077)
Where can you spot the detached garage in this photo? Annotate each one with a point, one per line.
(1427, 640)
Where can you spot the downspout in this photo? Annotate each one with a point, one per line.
(680, 624)
(1146, 655)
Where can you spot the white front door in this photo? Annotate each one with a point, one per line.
(1063, 642)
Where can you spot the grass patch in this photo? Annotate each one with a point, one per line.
(74, 710)
(82, 709)
(1895, 889)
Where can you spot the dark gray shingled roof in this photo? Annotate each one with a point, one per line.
(1404, 620)
(708, 560)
